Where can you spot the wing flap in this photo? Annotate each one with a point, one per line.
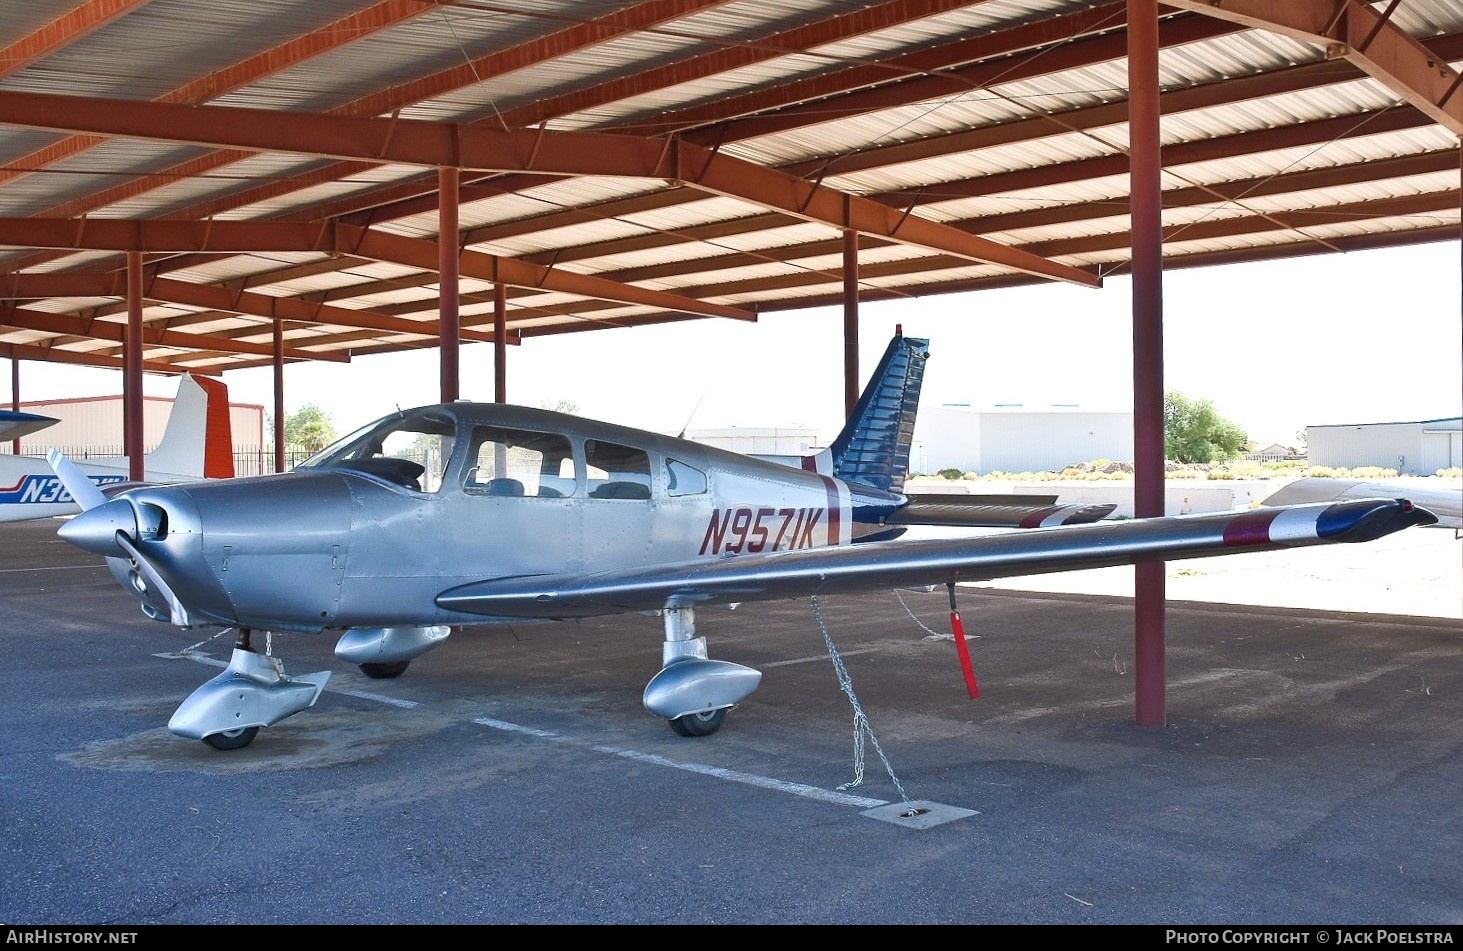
(993, 511)
(912, 563)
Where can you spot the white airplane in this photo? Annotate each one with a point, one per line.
(467, 515)
(196, 444)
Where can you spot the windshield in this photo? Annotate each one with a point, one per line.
(410, 449)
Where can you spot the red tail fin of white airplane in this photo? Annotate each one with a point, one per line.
(197, 444)
(198, 441)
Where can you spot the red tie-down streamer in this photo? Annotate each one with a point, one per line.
(958, 629)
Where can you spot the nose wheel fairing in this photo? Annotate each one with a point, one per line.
(252, 692)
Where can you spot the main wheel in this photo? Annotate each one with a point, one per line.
(232, 739)
(385, 671)
(699, 724)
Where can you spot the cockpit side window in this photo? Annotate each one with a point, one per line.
(614, 471)
(407, 449)
(518, 462)
(681, 479)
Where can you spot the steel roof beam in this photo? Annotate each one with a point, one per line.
(1440, 202)
(62, 31)
(1049, 46)
(419, 142)
(22, 351)
(618, 23)
(19, 317)
(213, 297)
(1360, 35)
(416, 197)
(110, 234)
(345, 30)
(796, 41)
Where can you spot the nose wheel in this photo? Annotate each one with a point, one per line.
(699, 724)
(379, 671)
(232, 739)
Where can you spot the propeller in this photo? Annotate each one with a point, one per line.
(153, 580)
(83, 490)
(107, 525)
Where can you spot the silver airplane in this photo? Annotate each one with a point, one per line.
(448, 517)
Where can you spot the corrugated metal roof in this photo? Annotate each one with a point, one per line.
(1003, 121)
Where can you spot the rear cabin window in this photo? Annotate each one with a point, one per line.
(513, 462)
(681, 479)
(616, 472)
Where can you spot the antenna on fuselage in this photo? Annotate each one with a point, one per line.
(682, 433)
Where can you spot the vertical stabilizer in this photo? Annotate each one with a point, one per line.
(198, 442)
(873, 448)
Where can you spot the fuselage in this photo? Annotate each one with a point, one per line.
(30, 489)
(371, 530)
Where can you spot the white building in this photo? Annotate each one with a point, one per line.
(1017, 438)
(92, 426)
(1416, 448)
(780, 443)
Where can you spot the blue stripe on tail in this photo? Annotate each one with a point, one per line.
(873, 448)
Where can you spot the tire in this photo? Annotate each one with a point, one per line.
(699, 724)
(232, 739)
(385, 671)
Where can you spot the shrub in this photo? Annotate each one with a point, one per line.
(950, 473)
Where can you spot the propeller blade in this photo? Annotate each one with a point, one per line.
(154, 580)
(83, 491)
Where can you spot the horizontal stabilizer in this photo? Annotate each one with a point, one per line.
(994, 511)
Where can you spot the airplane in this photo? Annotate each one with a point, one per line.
(196, 444)
(462, 515)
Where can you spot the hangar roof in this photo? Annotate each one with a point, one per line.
(626, 163)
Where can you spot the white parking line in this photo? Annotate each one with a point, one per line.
(716, 772)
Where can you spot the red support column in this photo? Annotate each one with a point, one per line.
(279, 446)
(850, 321)
(447, 271)
(500, 342)
(132, 441)
(1147, 239)
(15, 399)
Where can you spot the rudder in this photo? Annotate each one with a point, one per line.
(873, 448)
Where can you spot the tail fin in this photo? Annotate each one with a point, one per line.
(199, 440)
(873, 448)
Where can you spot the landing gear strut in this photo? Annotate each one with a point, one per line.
(253, 692)
(692, 693)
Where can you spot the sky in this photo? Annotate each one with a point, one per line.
(1361, 337)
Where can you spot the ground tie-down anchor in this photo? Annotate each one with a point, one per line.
(957, 628)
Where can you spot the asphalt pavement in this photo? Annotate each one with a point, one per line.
(1306, 769)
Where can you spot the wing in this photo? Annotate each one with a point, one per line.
(995, 511)
(14, 425)
(1446, 504)
(901, 563)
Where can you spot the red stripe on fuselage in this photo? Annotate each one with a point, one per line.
(834, 515)
(1252, 528)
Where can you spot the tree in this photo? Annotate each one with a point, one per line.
(308, 429)
(1193, 431)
